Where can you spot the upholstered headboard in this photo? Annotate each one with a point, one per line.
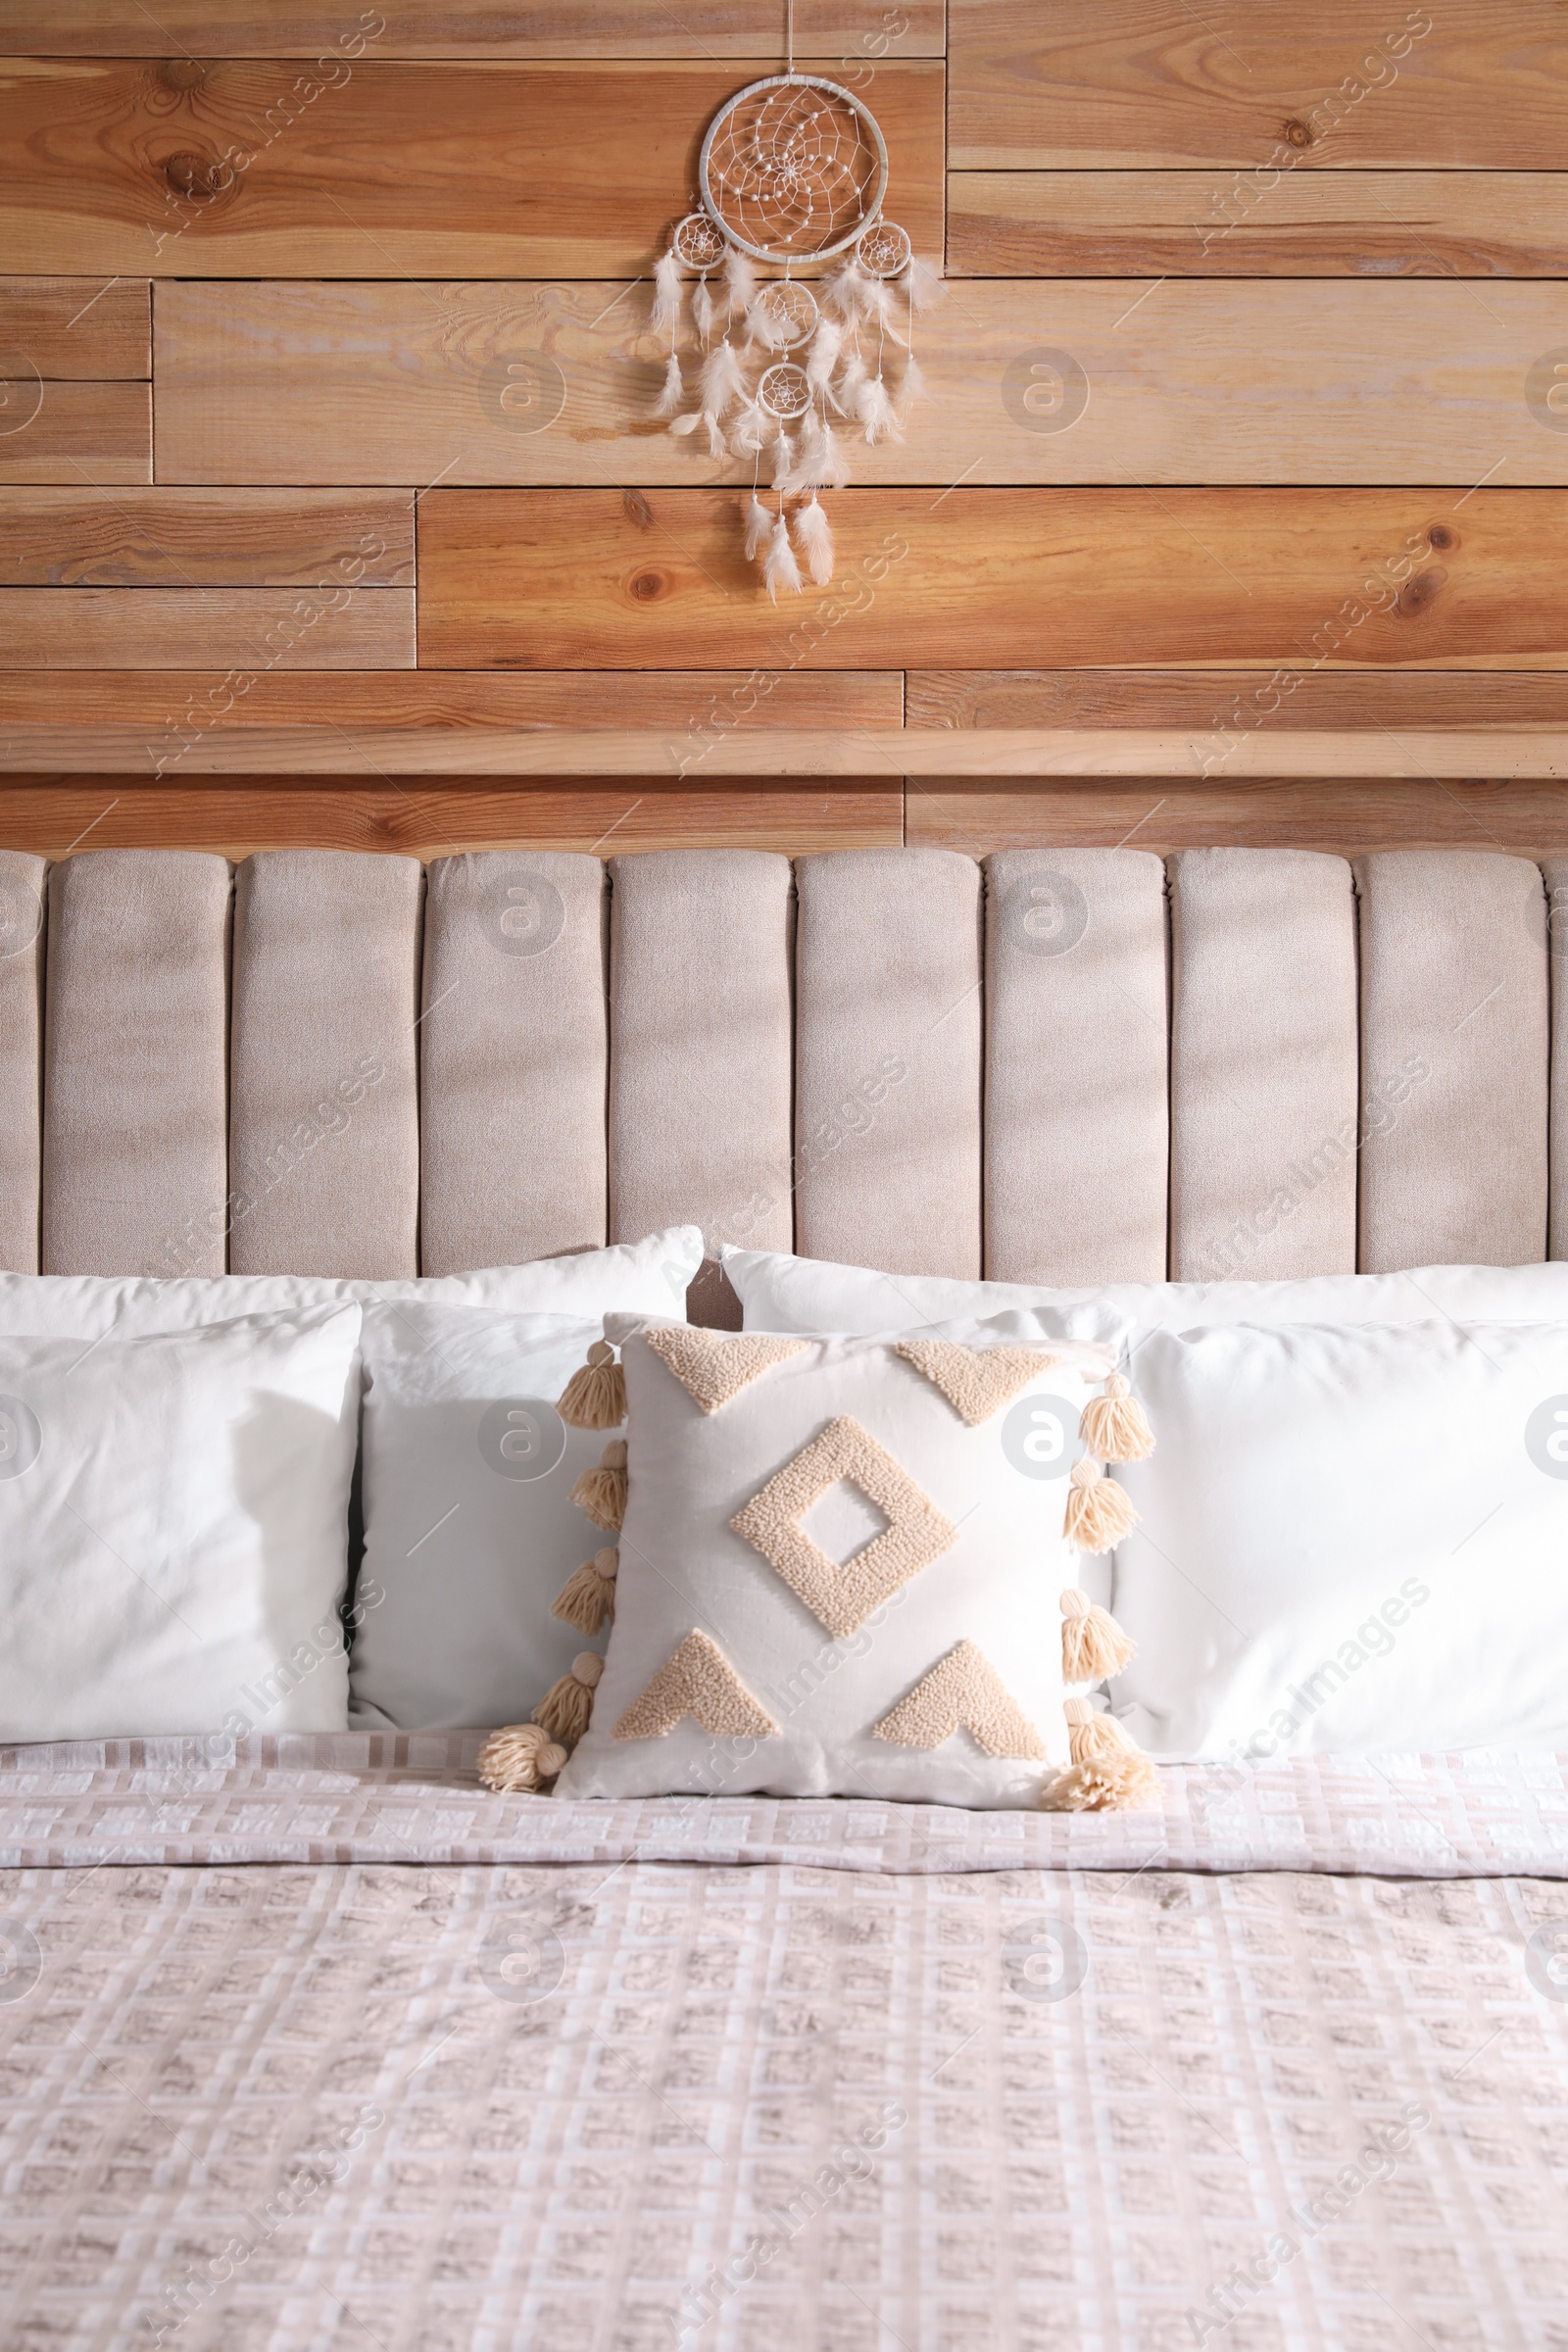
(1063, 1065)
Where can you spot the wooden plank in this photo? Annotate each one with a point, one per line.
(1206, 698)
(172, 629)
(380, 169)
(69, 432)
(1347, 816)
(235, 820)
(839, 33)
(523, 579)
(206, 538)
(84, 328)
(1042, 83)
(385, 722)
(181, 747)
(1185, 381)
(1314, 224)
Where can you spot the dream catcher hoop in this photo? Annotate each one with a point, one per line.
(793, 171)
(793, 168)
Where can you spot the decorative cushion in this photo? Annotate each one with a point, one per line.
(843, 1566)
(173, 1529)
(472, 1527)
(1352, 1538)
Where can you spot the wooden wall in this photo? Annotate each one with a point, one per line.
(323, 379)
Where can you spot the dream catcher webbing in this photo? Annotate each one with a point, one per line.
(793, 168)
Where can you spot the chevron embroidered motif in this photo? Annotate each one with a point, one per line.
(712, 1368)
(975, 1381)
(964, 1692)
(696, 1680)
(844, 1598)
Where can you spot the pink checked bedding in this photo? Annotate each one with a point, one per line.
(322, 2045)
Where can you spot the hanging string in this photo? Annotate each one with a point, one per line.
(789, 36)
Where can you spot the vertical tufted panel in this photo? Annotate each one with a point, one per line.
(1075, 1096)
(1264, 1065)
(135, 1064)
(1554, 871)
(1453, 1059)
(700, 1054)
(323, 1123)
(888, 1079)
(22, 882)
(515, 1057)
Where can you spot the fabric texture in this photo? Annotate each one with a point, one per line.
(553, 2103)
(1349, 1538)
(324, 1153)
(513, 1059)
(1265, 1140)
(888, 1060)
(700, 1087)
(173, 1528)
(21, 966)
(471, 1530)
(1076, 1119)
(135, 1108)
(834, 1533)
(648, 1277)
(804, 1295)
(1454, 1044)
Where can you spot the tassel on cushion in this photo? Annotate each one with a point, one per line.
(1114, 1426)
(601, 1493)
(1093, 1644)
(1098, 1512)
(1114, 1783)
(523, 1757)
(587, 1600)
(566, 1708)
(595, 1397)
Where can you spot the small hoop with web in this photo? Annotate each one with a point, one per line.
(784, 315)
(698, 241)
(793, 169)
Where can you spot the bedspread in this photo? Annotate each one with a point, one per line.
(333, 2051)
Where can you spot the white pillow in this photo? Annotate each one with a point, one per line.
(173, 1529)
(471, 1530)
(648, 1277)
(777, 1631)
(779, 1293)
(1352, 1538)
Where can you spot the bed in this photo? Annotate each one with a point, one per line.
(317, 2042)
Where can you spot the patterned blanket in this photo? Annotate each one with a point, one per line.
(320, 2048)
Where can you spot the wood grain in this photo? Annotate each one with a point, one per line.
(378, 169)
(1185, 381)
(382, 722)
(205, 538)
(79, 327)
(520, 578)
(831, 31)
(1346, 817)
(69, 432)
(1042, 83)
(181, 628)
(1327, 698)
(1314, 224)
(235, 820)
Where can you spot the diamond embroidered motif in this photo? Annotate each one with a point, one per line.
(844, 1598)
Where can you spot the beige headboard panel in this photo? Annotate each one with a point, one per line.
(1065, 1065)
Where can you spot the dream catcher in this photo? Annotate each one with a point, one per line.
(792, 170)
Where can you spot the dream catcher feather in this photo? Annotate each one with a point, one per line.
(792, 170)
